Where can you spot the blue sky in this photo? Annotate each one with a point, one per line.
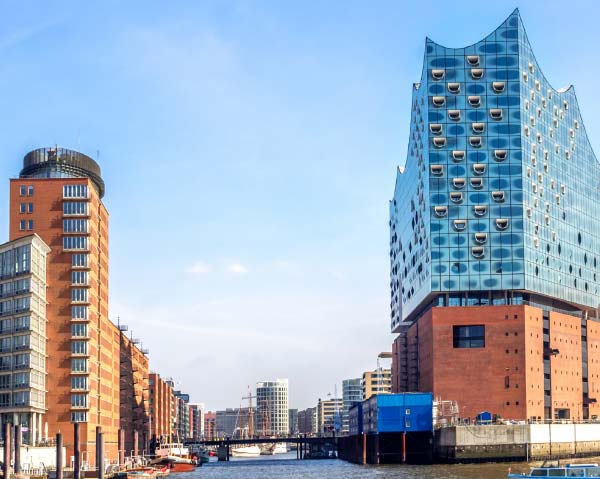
(249, 150)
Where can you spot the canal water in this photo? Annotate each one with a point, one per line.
(285, 466)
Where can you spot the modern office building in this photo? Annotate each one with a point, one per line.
(235, 422)
(161, 407)
(58, 196)
(293, 421)
(196, 421)
(272, 407)
(378, 381)
(494, 239)
(329, 415)
(308, 422)
(23, 335)
(352, 393)
(182, 415)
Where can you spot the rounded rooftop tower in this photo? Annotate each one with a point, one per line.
(61, 163)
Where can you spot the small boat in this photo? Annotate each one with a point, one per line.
(280, 448)
(267, 449)
(174, 455)
(591, 471)
(143, 473)
(245, 451)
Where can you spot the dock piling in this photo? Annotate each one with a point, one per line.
(77, 452)
(100, 455)
(17, 449)
(59, 457)
(7, 458)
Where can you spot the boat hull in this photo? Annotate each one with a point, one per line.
(248, 451)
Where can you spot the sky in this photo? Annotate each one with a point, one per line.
(249, 151)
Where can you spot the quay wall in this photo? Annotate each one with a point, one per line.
(516, 442)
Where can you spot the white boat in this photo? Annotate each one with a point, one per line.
(570, 470)
(280, 448)
(245, 451)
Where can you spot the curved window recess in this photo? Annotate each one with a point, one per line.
(500, 155)
(501, 223)
(566, 105)
(554, 236)
(572, 133)
(572, 146)
(539, 137)
(532, 95)
(548, 207)
(438, 74)
(437, 170)
(479, 210)
(477, 73)
(479, 168)
(439, 142)
(543, 103)
(536, 229)
(546, 167)
(528, 172)
(454, 87)
(454, 115)
(478, 128)
(549, 93)
(439, 101)
(567, 154)
(533, 160)
(534, 148)
(532, 120)
(527, 104)
(498, 86)
(456, 196)
(555, 110)
(552, 184)
(460, 225)
(481, 238)
(458, 155)
(551, 132)
(576, 123)
(531, 70)
(525, 77)
(526, 130)
(473, 60)
(440, 211)
(476, 183)
(459, 183)
(540, 178)
(546, 155)
(536, 242)
(557, 199)
(474, 100)
(539, 112)
(435, 128)
(556, 148)
(528, 212)
(537, 85)
(478, 251)
(496, 113)
(541, 191)
(547, 218)
(535, 202)
(534, 187)
(475, 141)
(498, 196)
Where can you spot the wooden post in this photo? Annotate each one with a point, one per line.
(17, 449)
(59, 457)
(404, 447)
(98, 459)
(121, 446)
(364, 448)
(100, 454)
(135, 443)
(7, 433)
(77, 451)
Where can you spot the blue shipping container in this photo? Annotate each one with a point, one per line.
(355, 416)
(407, 412)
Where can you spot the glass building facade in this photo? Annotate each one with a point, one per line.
(491, 206)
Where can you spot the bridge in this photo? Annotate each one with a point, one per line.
(307, 447)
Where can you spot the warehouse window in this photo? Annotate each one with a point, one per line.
(469, 336)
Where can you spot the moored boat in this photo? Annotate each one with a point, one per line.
(591, 471)
(245, 451)
(280, 448)
(175, 456)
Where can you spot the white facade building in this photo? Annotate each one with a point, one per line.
(272, 417)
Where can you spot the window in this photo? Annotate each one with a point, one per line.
(439, 142)
(5, 345)
(79, 330)
(29, 207)
(30, 191)
(79, 347)
(22, 225)
(79, 383)
(75, 242)
(75, 191)
(75, 208)
(22, 323)
(21, 380)
(79, 365)
(22, 191)
(79, 295)
(5, 381)
(78, 400)
(23, 208)
(79, 277)
(5, 363)
(22, 342)
(75, 226)
(79, 416)
(79, 260)
(79, 312)
(21, 398)
(30, 225)
(468, 336)
(22, 361)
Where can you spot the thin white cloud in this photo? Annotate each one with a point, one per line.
(237, 268)
(200, 267)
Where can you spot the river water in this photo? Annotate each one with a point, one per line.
(285, 466)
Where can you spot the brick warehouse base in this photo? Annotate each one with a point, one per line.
(530, 364)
